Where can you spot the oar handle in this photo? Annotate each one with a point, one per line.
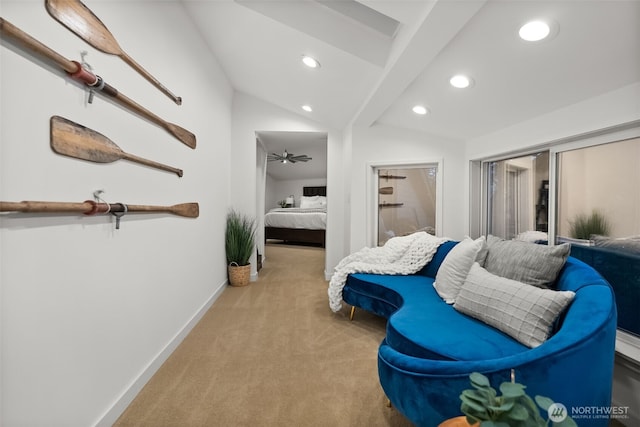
(14, 33)
(151, 163)
(52, 207)
(129, 60)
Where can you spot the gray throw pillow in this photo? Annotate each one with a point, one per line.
(521, 311)
(529, 263)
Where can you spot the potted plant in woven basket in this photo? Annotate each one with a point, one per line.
(240, 236)
(514, 408)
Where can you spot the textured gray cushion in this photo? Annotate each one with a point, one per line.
(453, 270)
(529, 263)
(524, 312)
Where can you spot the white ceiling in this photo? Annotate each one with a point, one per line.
(379, 58)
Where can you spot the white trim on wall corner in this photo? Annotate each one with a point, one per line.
(125, 399)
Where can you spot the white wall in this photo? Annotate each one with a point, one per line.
(383, 144)
(250, 115)
(594, 114)
(88, 313)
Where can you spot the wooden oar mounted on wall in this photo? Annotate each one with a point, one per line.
(77, 72)
(74, 140)
(90, 207)
(78, 18)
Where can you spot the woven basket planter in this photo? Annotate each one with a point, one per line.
(239, 275)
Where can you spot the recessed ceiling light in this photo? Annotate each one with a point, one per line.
(307, 108)
(420, 109)
(310, 62)
(460, 81)
(534, 31)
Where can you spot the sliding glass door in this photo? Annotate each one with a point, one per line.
(517, 195)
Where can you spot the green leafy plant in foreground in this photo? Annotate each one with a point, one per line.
(511, 409)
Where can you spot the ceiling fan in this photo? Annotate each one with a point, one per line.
(287, 157)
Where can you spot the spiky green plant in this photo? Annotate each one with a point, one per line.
(239, 238)
(512, 409)
(583, 226)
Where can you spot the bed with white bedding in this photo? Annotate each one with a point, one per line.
(304, 224)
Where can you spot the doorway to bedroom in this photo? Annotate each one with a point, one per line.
(291, 188)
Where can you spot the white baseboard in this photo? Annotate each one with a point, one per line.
(125, 399)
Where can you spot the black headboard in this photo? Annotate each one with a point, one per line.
(314, 191)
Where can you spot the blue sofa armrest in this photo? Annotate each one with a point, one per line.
(622, 271)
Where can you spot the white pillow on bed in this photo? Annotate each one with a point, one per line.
(307, 202)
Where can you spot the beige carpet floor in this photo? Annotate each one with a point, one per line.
(272, 354)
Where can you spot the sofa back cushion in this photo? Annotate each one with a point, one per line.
(431, 269)
(525, 262)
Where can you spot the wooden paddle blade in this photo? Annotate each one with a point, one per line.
(183, 135)
(78, 18)
(74, 140)
(189, 210)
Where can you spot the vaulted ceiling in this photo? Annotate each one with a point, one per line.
(380, 58)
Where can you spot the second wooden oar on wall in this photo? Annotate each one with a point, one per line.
(74, 69)
(89, 207)
(78, 18)
(77, 141)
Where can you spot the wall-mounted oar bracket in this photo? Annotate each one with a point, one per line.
(119, 214)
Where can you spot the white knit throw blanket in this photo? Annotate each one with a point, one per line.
(399, 255)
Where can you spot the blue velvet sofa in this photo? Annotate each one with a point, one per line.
(430, 349)
(622, 270)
